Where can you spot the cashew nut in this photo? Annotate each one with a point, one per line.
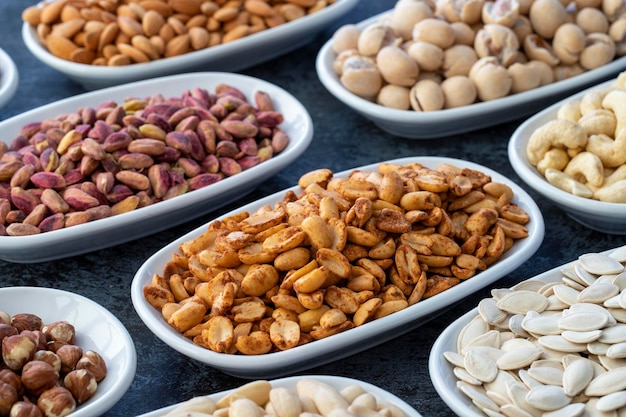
(611, 152)
(614, 193)
(567, 183)
(615, 100)
(614, 176)
(586, 167)
(555, 158)
(592, 100)
(570, 110)
(598, 122)
(558, 133)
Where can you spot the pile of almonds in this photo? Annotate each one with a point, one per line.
(123, 32)
(43, 372)
(114, 158)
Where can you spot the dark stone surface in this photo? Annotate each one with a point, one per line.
(342, 140)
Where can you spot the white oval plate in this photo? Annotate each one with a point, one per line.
(598, 215)
(9, 78)
(165, 214)
(441, 371)
(242, 53)
(349, 342)
(425, 125)
(337, 382)
(96, 329)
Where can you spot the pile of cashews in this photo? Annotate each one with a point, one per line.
(428, 55)
(583, 150)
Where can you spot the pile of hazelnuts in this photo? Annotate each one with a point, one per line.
(42, 371)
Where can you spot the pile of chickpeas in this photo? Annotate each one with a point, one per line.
(428, 55)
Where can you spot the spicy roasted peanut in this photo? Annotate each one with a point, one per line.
(122, 32)
(342, 252)
(117, 157)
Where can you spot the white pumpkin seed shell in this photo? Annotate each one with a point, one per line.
(511, 410)
(611, 363)
(547, 398)
(566, 294)
(559, 343)
(528, 380)
(570, 410)
(517, 343)
(612, 401)
(620, 280)
(613, 334)
(454, 358)
(612, 302)
(577, 376)
(490, 312)
(581, 337)
(515, 325)
(618, 314)
(609, 382)
(518, 358)
(621, 300)
(470, 331)
(599, 264)
(546, 375)
(585, 277)
(477, 394)
(617, 351)
(480, 366)
(517, 392)
(598, 348)
(598, 293)
(541, 325)
(534, 285)
(619, 254)
(521, 302)
(583, 321)
(555, 303)
(491, 339)
(465, 376)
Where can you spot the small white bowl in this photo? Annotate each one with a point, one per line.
(336, 382)
(233, 56)
(442, 372)
(426, 125)
(165, 214)
(96, 329)
(9, 78)
(345, 343)
(604, 217)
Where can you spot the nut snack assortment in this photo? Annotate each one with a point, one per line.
(44, 372)
(433, 55)
(582, 151)
(123, 32)
(550, 344)
(294, 396)
(101, 161)
(343, 252)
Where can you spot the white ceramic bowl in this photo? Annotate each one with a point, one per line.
(349, 342)
(441, 371)
(597, 215)
(425, 125)
(151, 219)
(233, 56)
(96, 329)
(336, 382)
(9, 78)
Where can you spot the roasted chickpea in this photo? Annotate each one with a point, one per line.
(458, 91)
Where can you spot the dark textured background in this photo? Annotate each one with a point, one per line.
(342, 140)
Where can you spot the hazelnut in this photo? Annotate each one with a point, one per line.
(25, 409)
(38, 337)
(5, 318)
(7, 330)
(27, 321)
(94, 363)
(11, 378)
(56, 402)
(8, 397)
(82, 384)
(17, 350)
(49, 357)
(60, 331)
(38, 376)
(69, 355)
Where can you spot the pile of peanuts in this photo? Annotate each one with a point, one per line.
(114, 158)
(124, 32)
(307, 395)
(429, 55)
(343, 252)
(583, 150)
